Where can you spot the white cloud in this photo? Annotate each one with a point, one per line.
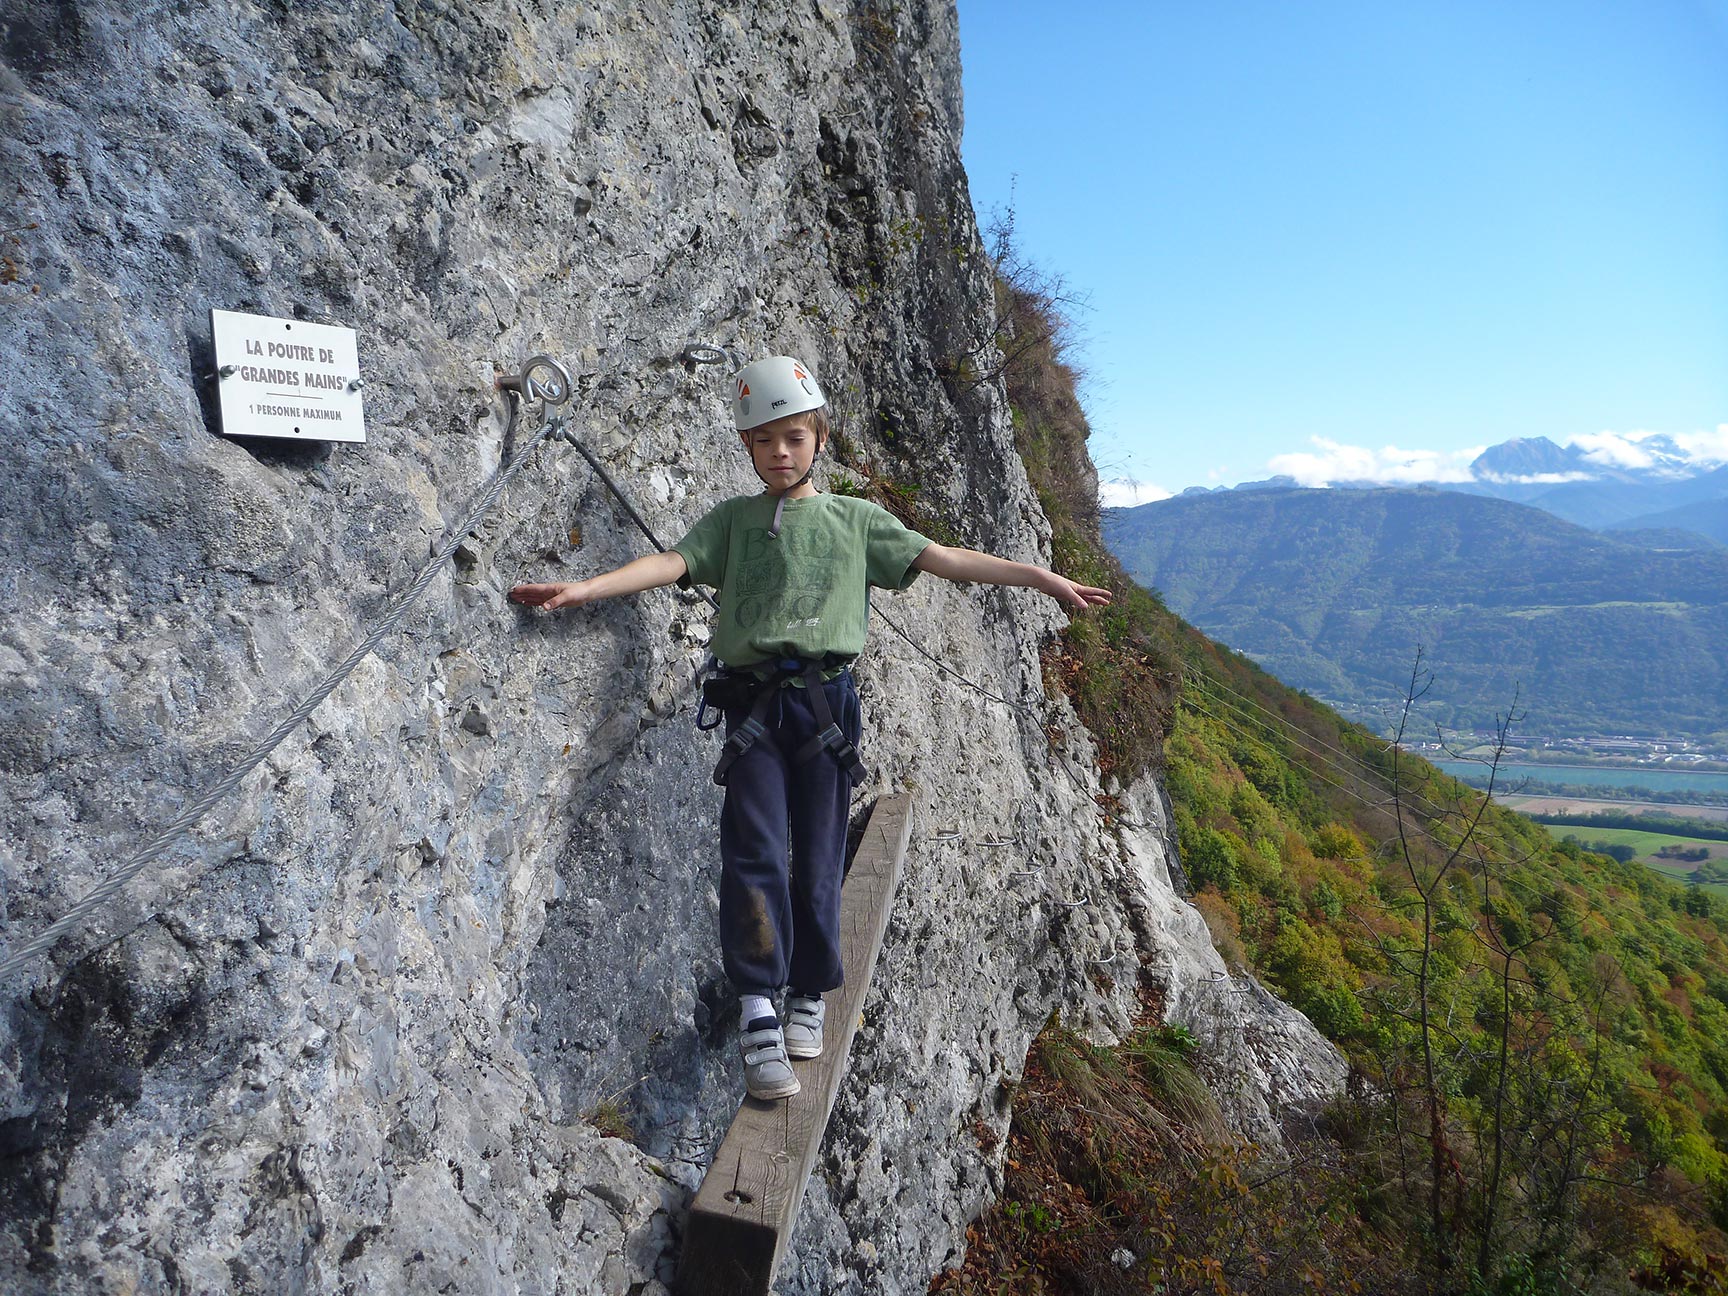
(1705, 447)
(1125, 492)
(1536, 479)
(1332, 461)
(1676, 454)
(1681, 453)
(1615, 449)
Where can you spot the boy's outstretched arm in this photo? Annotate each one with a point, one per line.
(970, 565)
(648, 572)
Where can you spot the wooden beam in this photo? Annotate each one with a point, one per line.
(744, 1212)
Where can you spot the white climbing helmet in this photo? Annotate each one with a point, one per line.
(765, 390)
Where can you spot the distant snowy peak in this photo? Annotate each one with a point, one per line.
(1604, 480)
(1529, 459)
(1607, 456)
(1657, 457)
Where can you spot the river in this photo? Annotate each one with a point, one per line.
(1596, 776)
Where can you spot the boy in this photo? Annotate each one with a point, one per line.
(793, 569)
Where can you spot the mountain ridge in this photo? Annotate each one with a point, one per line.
(1334, 591)
(1571, 483)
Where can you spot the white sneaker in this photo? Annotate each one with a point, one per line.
(804, 1018)
(767, 1074)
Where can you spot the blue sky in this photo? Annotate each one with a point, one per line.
(1317, 233)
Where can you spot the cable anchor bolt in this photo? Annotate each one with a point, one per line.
(542, 379)
(705, 353)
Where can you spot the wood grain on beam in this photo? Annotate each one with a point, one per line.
(743, 1215)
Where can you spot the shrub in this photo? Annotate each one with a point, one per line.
(1335, 1010)
(1211, 860)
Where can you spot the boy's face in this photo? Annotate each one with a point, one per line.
(783, 450)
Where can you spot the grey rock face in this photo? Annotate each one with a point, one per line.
(354, 1032)
(1264, 1061)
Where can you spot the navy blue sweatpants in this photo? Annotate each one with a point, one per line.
(783, 848)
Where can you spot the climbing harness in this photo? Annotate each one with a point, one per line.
(760, 693)
(779, 386)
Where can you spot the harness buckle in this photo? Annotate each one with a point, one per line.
(748, 731)
(742, 738)
(844, 753)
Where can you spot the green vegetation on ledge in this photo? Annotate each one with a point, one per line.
(1538, 1035)
(1118, 665)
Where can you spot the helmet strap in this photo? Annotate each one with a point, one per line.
(780, 501)
(810, 471)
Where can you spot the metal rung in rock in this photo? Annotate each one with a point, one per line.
(744, 1212)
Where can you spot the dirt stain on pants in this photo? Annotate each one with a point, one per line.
(758, 929)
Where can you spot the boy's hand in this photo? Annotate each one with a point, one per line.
(970, 565)
(554, 596)
(650, 571)
(1066, 592)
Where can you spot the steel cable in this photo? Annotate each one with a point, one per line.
(105, 891)
(1209, 709)
(1027, 707)
(1301, 734)
(1215, 706)
(1382, 807)
(622, 498)
(17, 957)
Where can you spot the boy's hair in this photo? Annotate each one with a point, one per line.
(815, 422)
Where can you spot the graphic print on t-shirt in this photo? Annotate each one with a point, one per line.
(767, 600)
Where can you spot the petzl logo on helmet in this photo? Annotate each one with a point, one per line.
(773, 387)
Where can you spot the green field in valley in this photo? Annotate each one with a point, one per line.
(1680, 871)
(1647, 844)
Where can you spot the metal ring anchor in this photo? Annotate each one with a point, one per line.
(1025, 873)
(1075, 904)
(542, 379)
(945, 835)
(1101, 962)
(993, 841)
(706, 353)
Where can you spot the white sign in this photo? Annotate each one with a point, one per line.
(287, 378)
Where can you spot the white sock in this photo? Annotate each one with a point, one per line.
(753, 1007)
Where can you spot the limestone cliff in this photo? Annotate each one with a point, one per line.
(389, 981)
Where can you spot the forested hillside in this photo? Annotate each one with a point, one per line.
(1708, 518)
(1333, 591)
(1538, 1035)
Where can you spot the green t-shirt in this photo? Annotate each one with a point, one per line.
(805, 593)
